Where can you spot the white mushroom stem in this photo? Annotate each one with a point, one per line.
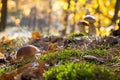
(82, 28)
(92, 29)
(82, 25)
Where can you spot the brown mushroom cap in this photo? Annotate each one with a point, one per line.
(82, 23)
(28, 51)
(90, 19)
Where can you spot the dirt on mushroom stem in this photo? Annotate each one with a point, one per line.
(82, 25)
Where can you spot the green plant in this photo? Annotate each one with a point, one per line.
(7, 69)
(62, 56)
(115, 59)
(104, 47)
(79, 71)
(66, 55)
(72, 35)
(11, 67)
(96, 52)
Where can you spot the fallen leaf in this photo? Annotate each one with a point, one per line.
(36, 35)
(1, 55)
(52, 47)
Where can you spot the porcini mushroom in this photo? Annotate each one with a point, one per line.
(91, 20)
(26, 52)
(82, 25)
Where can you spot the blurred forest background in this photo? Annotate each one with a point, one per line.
(59, 16)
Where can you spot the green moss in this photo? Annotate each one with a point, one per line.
(96, 51)
(7, 69)
(104, 47)
(72, 35)
(66, 55)
(63, 56)
(11, 67)
(115, 59)
(67, 70)
(79, 71)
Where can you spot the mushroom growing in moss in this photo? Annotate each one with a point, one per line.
(27, 52)
(82, 25)
(91, 20)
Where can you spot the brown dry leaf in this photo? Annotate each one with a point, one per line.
(26, 74)
(53, 61)
(10, 42)
(3, 38)
(31, 73)
(52, 47)
(1, 55)
(6, 41)
(24, 71)
(43, 53)
(2, 49)
(24, 67)
(41, 69)
(9, 75)
(36, 35)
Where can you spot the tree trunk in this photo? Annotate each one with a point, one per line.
(74, 18)
(117, 8)
(33, 19)
(49, 16)
(65, 21)
(3, 15)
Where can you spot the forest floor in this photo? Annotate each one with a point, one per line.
(74, 57)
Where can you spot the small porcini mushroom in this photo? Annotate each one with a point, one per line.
(82, 25)
(26, 52)
(91, 20)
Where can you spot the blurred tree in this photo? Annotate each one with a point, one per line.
(74, 19)
(65, 20)
(3, 15)
(49, 15)
(117, 8)
(33, 19)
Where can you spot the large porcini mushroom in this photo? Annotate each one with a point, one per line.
(82, 25)
(27, 52)
(91, 20)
